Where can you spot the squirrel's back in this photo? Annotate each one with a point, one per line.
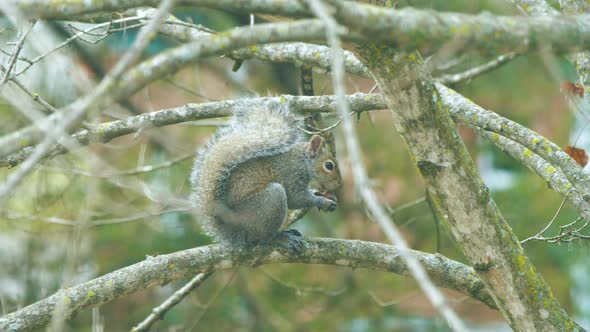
(257, 132)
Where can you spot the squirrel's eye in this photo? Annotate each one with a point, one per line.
(328, 165)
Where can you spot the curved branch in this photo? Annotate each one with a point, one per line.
(66, 9)
(169, 62)
(163, 269)
(107, 131)
(554, 177)
(405, 29)
(470, 113)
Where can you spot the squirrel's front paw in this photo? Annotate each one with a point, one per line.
(292, 240)
(328, 201)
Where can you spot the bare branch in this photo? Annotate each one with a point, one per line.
(159, 311)
(78, 35)
(470, 113)
(405, 27)
(538, 236)
(163, 269)
(106, 131)
(14, 56)
(476, 71)
(79, 108)
(47, 10)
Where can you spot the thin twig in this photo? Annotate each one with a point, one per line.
(539, 236)
(74, 37)
(14, 57)
(134, 171)
(110, 221)
(300, 289)
(323, 130)
(159, 311)
(79, 108)
(51, 220)
(35, 96)
(211, 301)
(408, 205)
(187, 89)
(383, 303)
(476, 71)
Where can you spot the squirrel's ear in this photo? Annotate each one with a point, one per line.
(315, 146)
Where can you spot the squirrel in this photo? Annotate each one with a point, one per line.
(252, 171)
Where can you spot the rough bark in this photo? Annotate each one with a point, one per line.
(163, 269)
(522, 295)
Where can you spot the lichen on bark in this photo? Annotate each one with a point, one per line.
(459, 193)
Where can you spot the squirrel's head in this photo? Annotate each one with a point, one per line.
(325, 166)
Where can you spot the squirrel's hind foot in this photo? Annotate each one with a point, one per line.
(291, 239)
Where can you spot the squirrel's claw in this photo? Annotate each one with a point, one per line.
(328, 205)
(292, 240)
(328, 202)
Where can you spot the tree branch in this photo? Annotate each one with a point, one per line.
(163, 269)
(105, 132)
(405, 29)
(159, 312)
(458, 192)
(436, 298)
(166, 63)
(470, 113)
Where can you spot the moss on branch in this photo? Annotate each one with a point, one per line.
(163, 269)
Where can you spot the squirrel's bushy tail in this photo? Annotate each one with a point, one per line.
(256, 132)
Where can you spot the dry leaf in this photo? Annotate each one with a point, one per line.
(572, 89)
(579, 155)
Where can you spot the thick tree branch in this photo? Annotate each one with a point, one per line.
(436, 298)
(405, 29)
(458, 192)
(66, 9)
(463, 31)
(163, 269)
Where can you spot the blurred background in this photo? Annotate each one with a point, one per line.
(69, 222)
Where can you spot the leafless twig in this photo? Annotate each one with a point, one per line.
(79, 108)
(300, 289)
(159, 311)
(383, 303)
(476, 71)
(14, 57)
(74, 37)
(567, 233)
(539, 235)
(323, 130)
(134, 171)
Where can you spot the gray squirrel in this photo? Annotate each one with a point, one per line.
(253, 170)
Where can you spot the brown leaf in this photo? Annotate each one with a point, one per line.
(579, 155)
(572, 89)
